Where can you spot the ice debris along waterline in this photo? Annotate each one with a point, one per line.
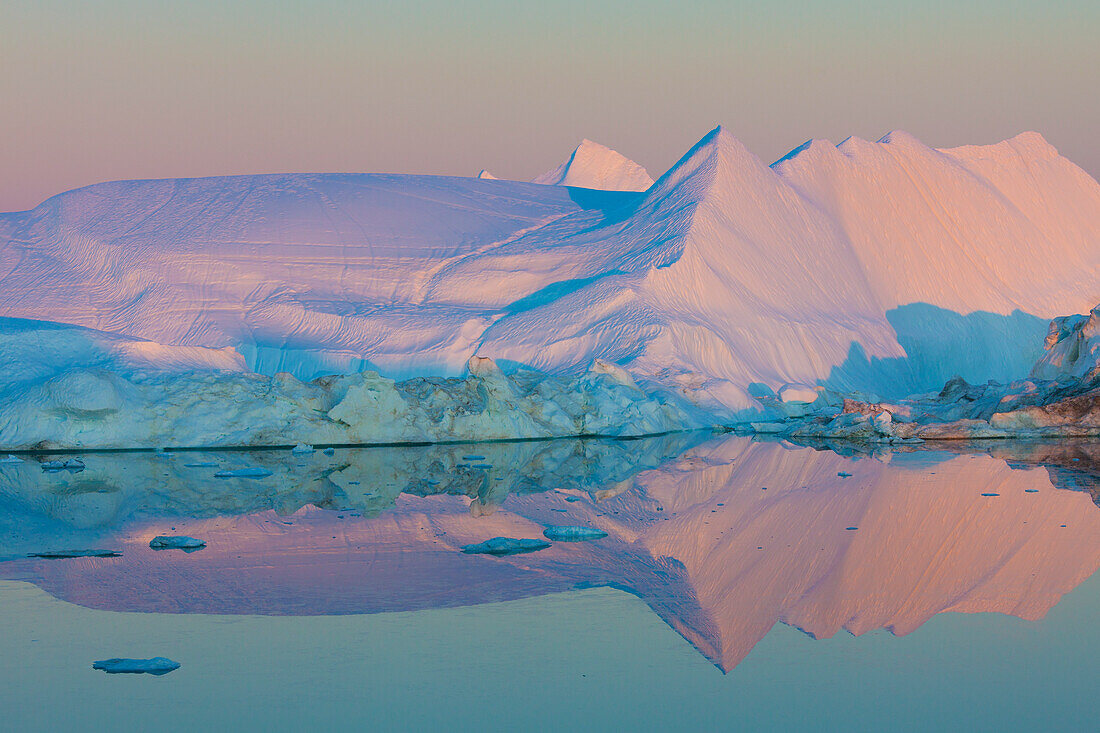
(86, 391)
(1060, 399)
(166, 542)
(573, 534)
(505, 546)
(155, 666)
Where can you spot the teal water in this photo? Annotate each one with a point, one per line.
(970, 612)
(583, 660)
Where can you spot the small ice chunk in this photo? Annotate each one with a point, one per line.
(844, 474)
(990, 493)
(70, 464)
(201, 464)
(250, 472)
(505, 546)
(302, 448)
(573, 534)
(473, 458)
(329, 451)
(797, 393)
(68, 554)
(179, 542)
(156, 665)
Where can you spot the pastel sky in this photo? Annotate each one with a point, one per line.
(94, 90)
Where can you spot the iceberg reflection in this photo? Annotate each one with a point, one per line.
(721, 536)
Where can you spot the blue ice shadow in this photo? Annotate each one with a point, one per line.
(940, 344)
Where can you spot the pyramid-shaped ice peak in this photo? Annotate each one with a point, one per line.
(593, 165)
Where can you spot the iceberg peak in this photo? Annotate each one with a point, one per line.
(592, 165)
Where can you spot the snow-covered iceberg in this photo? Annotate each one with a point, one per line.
(878, 267)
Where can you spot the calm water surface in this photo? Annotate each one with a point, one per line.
(741, 584)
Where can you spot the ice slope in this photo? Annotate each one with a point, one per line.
(860, 266)
(885, 267)
(593, 165)
(304, 273)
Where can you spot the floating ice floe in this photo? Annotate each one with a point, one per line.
(11, 459)
(505, 546)
(573, 534)
(71, 464)
(70, 554)
(302, 448)
(179, 542)
(154, 666)
(252, 472)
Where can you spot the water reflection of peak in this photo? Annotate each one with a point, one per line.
(722, 539)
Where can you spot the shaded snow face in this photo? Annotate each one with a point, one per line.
(886, 267)
(723, 538)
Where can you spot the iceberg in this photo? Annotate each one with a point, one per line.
(250, 472)
(188, 544)
(573, 534)
(155, 666)
(359, 308)
(72, 554)
(505, 546)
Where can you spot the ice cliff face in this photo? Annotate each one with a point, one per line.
(67, 387)
(1072, 348)
(887, 267)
